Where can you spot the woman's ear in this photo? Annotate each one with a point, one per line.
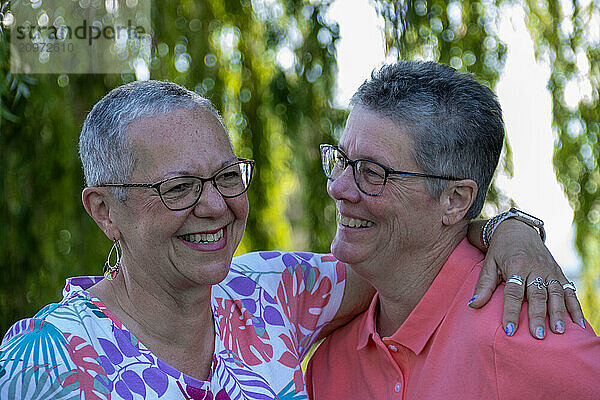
(98, 203)
(457, 198)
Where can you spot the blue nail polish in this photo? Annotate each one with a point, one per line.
(510, 329)
(582, 323)
(472, 299)
(539, 332)
(559, 327)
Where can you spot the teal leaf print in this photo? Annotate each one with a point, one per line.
(24, 350)
(45, 388)
(102, 384)
(289, 393)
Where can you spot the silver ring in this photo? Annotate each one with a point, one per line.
(539, 282)
(515, 279)
(552, 281)
(569, 285)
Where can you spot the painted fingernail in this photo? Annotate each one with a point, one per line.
(472, 299)
(510, 329)
(539, 332)
(559, 327)
(582, 323)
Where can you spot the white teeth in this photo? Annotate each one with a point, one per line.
(354, 223)
(203, 237)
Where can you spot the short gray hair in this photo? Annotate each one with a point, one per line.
(104, 147)
(455, 122)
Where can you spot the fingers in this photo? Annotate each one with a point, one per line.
(570, 299)
(556, 306)
(489, 279)
(537, 297)
(513, 299)
(574, 307)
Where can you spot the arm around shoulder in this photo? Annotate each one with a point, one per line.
(358, 294)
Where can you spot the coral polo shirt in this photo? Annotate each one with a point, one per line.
(446, 349)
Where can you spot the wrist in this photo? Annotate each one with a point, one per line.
(516, 218)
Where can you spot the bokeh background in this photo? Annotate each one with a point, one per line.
(281, 73)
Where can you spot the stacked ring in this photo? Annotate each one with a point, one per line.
(569, 285)
(515, 279)
(539, 282)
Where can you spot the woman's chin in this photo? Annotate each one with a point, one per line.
(347, 252)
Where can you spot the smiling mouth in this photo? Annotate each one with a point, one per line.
(203, 237)
(354, 222)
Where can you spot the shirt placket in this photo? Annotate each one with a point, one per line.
(395, 355)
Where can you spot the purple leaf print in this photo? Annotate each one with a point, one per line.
(106, 365)
(267, 255)
(149, 357)
(306, 256)
(156, 379)
(84, 282)
(134, 382)
(113, 354)
(102, 384)
(268, 297)
(125, 343)
(249, 305)
(242, 285)
(289, 260)
(167, 369)
(272, 316)
(123, 391)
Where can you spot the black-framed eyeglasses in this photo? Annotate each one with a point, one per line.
(370, 176)
(183, 192)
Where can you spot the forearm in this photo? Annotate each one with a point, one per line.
(358, 294)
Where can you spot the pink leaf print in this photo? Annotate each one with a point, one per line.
(297, 302)
(105, 310)
(84, 356)
(290, 359)
(239, 333)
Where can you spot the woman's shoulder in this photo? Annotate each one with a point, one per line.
(68, 316)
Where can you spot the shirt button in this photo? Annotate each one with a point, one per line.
(392, 348)
(398, 387)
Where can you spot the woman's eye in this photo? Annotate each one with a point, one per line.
(178, 188)
(229, 178)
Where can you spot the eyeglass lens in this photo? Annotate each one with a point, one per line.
(369, 176)
(182, 192)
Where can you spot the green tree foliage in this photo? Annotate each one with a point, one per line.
(564, 36)
(277, 111)
(462, 34)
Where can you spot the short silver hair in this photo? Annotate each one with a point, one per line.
(455, 122)
(105, 149)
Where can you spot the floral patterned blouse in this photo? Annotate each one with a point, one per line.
(267, 313)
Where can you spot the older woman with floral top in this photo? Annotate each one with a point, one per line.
(174, 317)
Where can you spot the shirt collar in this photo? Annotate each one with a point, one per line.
(422, 322)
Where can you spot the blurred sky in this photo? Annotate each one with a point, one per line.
(526, 108)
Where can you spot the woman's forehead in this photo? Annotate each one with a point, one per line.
(187, 140)
(373, 136)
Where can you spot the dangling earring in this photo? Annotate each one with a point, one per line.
(111, 271)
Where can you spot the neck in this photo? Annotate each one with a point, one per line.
(408, 280)
(174, 323)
